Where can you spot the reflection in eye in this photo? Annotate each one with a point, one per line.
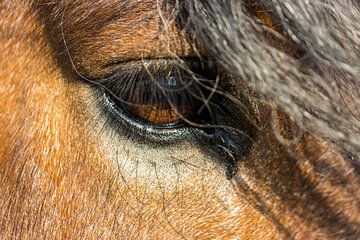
(161, 94)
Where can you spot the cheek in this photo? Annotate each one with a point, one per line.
(166, 190)
(45, 151)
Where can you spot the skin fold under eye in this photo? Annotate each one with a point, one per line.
(161, 93)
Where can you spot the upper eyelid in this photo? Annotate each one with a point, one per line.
(128, 68)
(159, 61)
(154, 64)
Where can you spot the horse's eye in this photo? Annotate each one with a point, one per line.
(161, 102)
(162, 94)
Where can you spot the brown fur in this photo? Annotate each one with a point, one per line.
(58, 180)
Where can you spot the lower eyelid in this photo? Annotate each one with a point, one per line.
(140, 131)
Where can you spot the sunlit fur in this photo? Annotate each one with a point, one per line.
(66, 172)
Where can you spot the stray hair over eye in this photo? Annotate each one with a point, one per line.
(161, 93)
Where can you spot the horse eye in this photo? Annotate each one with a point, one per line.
(160, 94)
(163, 102)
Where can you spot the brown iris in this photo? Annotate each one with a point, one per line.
(156, 116)
(159, 97)
(168, 101)
(164, 105)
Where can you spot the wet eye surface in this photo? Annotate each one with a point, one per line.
(162, 97)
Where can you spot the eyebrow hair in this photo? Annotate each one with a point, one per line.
(112, 18)
(126, 10)
(88, 19)
(102, 13)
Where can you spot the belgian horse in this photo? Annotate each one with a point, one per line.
(217, 119)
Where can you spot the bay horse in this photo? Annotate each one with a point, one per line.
(152, 119)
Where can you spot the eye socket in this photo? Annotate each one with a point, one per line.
(161, 93)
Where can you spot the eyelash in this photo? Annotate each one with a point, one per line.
(219, 137)
(126, 84)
